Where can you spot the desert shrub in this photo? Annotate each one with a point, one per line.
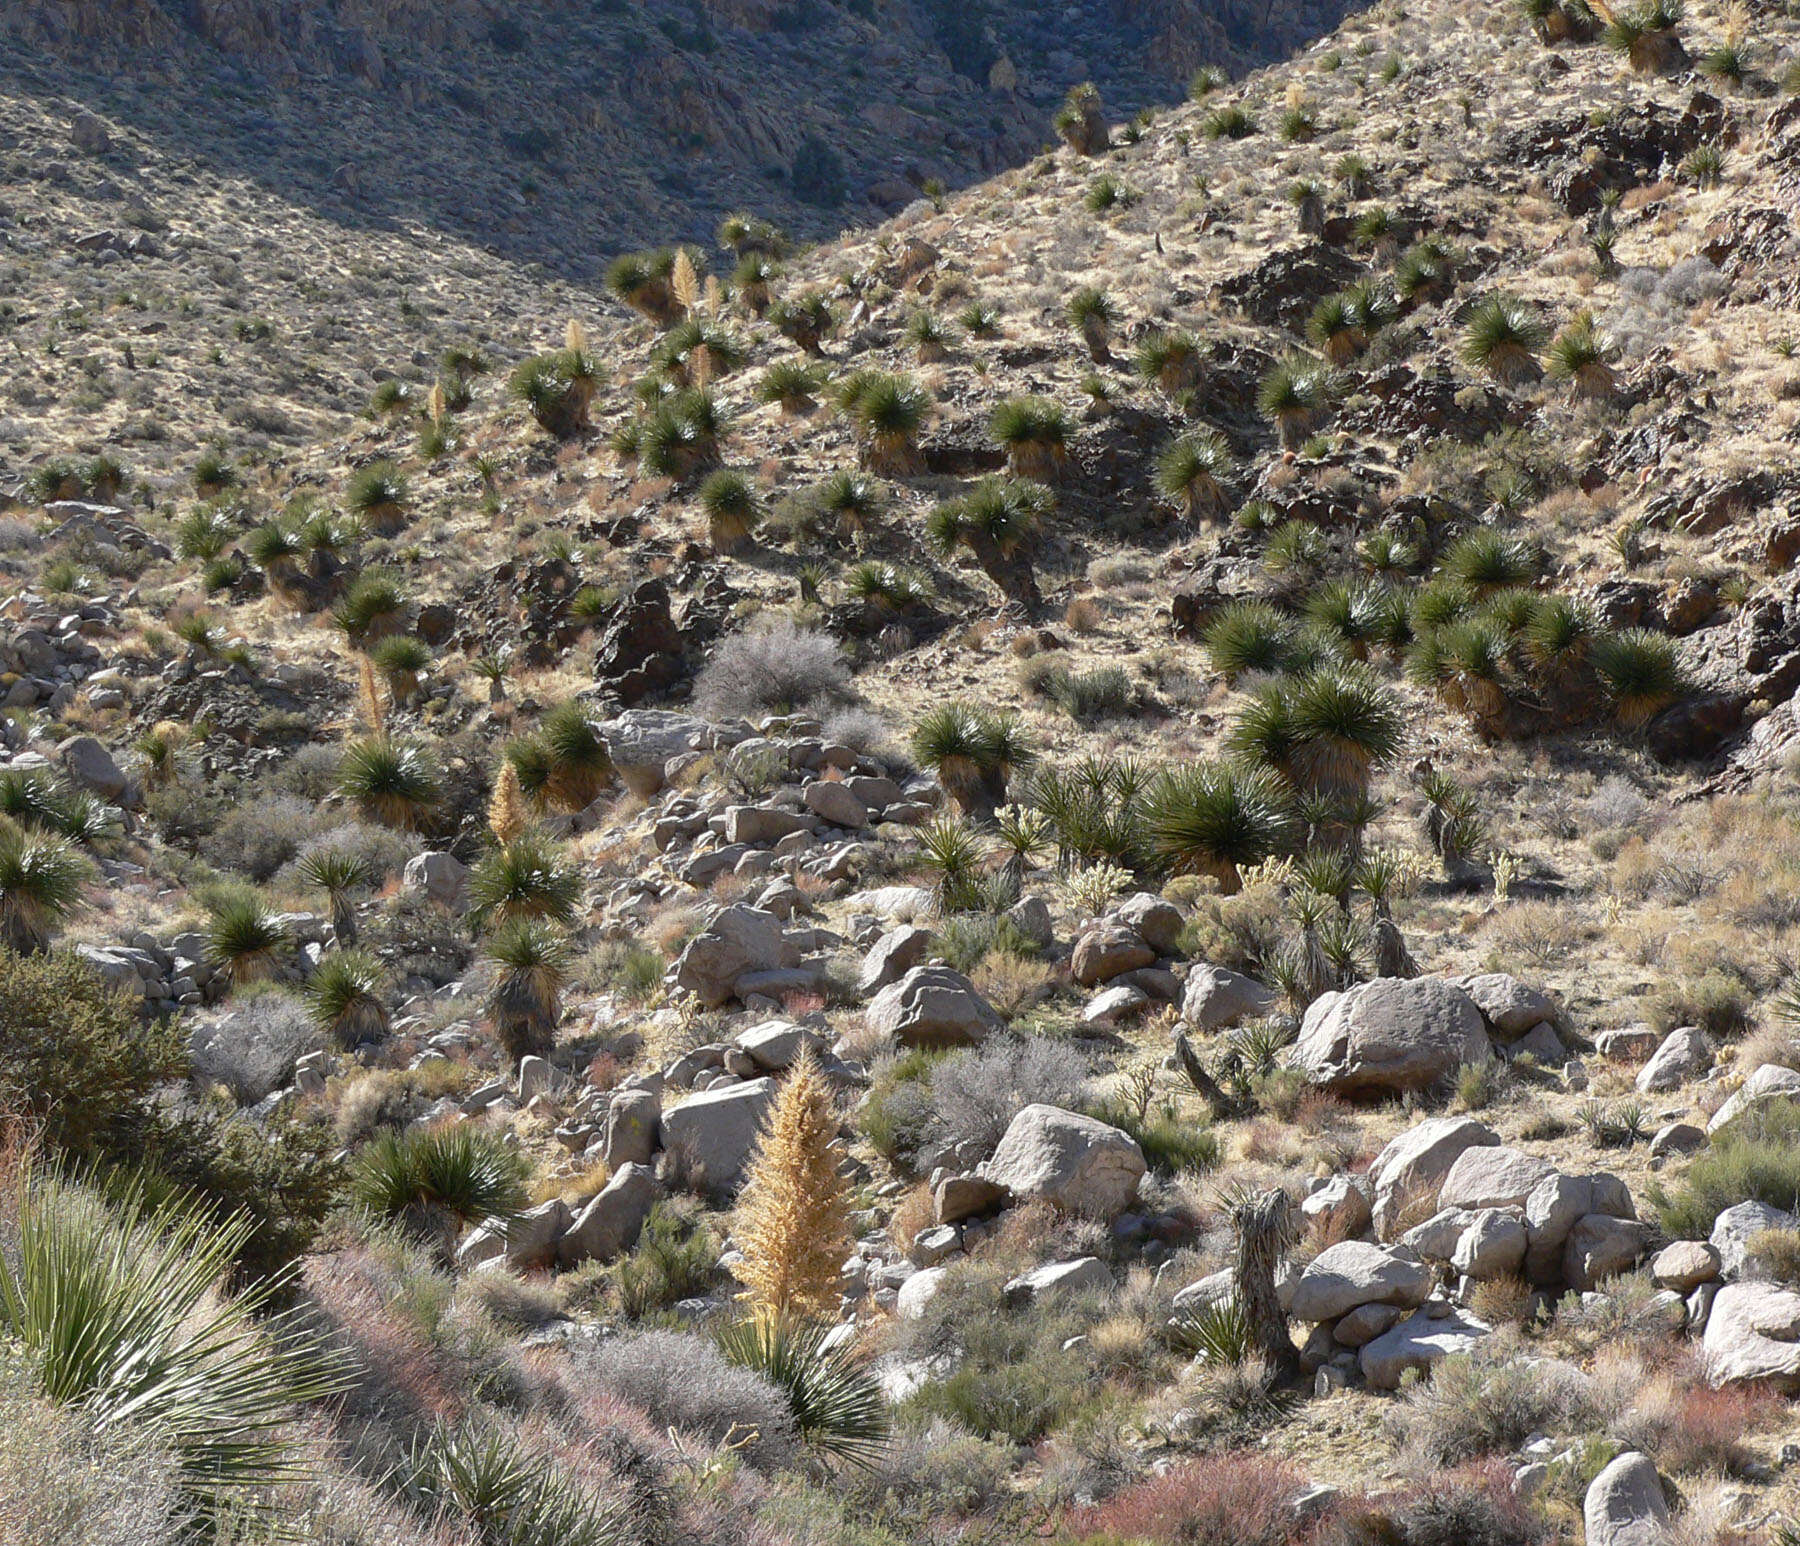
(76, 1055)
(1218, 1500)
(978, 1091)
(264, 832)
(1172, 1143)
(252, 1050)
(675, 1258)
(1718, 1002)
(1469, 1509)
(1754, 1159)
(1471, 1407)
(382, 851)
(898, 1114)
(685, 1382)
(66, 1482)
(930, 1467)
(775, 666)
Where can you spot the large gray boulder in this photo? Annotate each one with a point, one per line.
(892, 956)
(1075, 1162)
(1156, 922)
(1216, 998)
(1493, 1246)
(1736, 1226)
(1601, 1247)
(91, 765)
(1418, 1342)
(1492, 1178)
(643, 742)
(1353, 1273)
(438, 877)
(1105, 951)
(1410, 1171)
(531, 1238)
(1770, 1082)
(633, 1129)
(1682, 1054)
(932, 1006)
(1753, 1333)
(713, 1134)
(1625, 1505)
(608, 1226)
(736, 941)
(1507, 1005)
(1085, 1274)
(1389, 1036)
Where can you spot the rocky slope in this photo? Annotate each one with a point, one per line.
(565, 133)
(1414, 424)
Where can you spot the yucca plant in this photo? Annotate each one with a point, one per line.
(372, 609)
(1640, 673)
(1034, 433)
(525, 878)
(732, 509)
(1345, 722)
(1335, 329)
(753, 281)
(1387, 554)
(953, 854)
(1250, 637)
(1579, 356)
(695, 352)
(1230, 122)
(392, 782)
(1355, 615)
(506, 1495)
(837, 1405)
(402, 660)
(681, 435)
(974, 752)
(1725, 63)
(851, 500)
(1093, 313)
(1559, 636)
(979, 320)
(1206, 819)
(162, 752)
(644, 282)
(204, 533)
(792, 384)
(1080, 121)
(579, 766)
(887, 413)
(1426, 272)
(804, 320)
(1352, 174)
(378, 495)
(1485, 560)
(1196, 471)
(243, 938)
(1704, 166)
(345, 997)
(115, 1312)
(558, 389)
(41, 880)
(532, 958)
(1648, 37)
(930, 336)
(213, 474)
(1503, 336)
(1205, 81)
(997, 521)
(1294, 396)
(887, 587)
(435, 1181)
(1170, 360)
(1217, 1332)
(342, 876)
(1298, 124)
(1374, 228)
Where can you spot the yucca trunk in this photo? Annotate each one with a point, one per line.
(1262, 1229)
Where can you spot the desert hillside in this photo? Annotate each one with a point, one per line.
(1112, 861)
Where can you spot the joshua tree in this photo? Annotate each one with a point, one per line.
(791, 383)
(732, 510)
(681, 436)
(1034, 432)
(1308, 199)
(646, 282)
(996, 521)
(527, 998)
(1264, 1231)
(1195, 471)
(1081, 122)
(974, 752)
(1093, 313)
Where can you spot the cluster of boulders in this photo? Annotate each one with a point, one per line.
(1394, 1034)
(179, 973)
(48, 653)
